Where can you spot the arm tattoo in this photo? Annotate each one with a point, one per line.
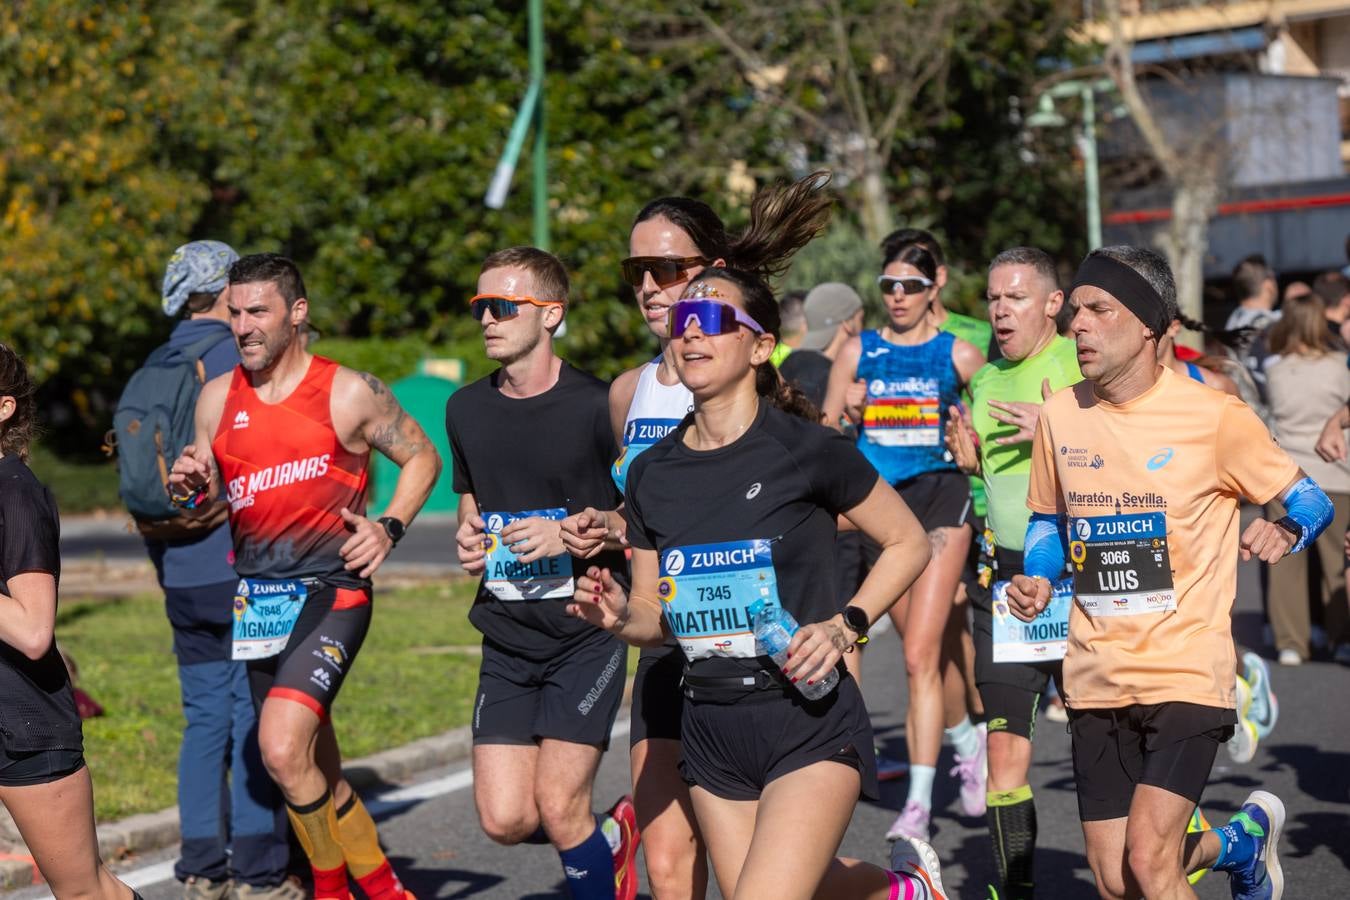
(937, 539)
(389, 432)
(837, 637)
(377, 387)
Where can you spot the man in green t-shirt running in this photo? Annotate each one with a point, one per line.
(995, 442)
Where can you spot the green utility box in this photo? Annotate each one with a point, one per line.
(423, 396)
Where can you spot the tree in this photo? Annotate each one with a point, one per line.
(838, 83)
(1193, 166)
(104, 112)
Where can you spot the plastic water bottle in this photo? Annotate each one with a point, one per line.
(773, 628)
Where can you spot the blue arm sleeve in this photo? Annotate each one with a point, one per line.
(1309, 510)
(1045, 555)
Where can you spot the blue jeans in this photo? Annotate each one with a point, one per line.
(232, 817)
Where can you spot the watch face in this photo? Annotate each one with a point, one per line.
(393, 527)
(856, 619)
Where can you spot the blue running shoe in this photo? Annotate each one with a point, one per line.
(1265, 709)
(1262, 817)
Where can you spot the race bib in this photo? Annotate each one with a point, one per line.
(1043, 639)
(904, 413)
(705, 590)
(1120, 564)
(506, 578)
(639, 435)
(265, 613)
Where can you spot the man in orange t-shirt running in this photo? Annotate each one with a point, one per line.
(1141, 472)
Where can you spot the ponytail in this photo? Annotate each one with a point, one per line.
(783, 219)
(1235, 338)
(777, 390)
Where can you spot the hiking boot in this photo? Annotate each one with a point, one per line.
(199, 888)
(288, 889)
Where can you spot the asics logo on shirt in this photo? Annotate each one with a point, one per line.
(1160, 459)
(241, 419)
(753, 492)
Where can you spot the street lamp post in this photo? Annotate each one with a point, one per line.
(1046, 116)
(531, 112)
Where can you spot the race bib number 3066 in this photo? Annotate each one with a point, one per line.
(507, 578)
(1121, 565)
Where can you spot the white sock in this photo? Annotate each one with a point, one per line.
(921, 785)
(965, 737)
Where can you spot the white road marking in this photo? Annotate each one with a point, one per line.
(384, 802)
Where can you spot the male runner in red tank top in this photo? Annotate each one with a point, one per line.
(287, 438)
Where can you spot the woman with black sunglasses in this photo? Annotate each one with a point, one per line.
(913, 373)
(739, 504)
(44, 782)
(673, 239)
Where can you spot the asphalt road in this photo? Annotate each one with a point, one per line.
(432, 835)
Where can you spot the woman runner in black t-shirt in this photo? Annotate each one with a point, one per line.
(675, 238)
(43, 780)
(749, 488)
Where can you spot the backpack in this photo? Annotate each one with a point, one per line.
(154, 421)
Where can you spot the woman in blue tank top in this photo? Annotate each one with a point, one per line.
(896, 384)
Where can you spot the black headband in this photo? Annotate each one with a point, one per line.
(1127, 286)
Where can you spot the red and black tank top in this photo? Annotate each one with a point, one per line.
(287, 477)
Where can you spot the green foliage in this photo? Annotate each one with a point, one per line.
(359, 138)
(80, 484)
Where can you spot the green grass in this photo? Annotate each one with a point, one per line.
(79, 485)
(411, 680)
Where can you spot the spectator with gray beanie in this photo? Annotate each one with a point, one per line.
(833, 313)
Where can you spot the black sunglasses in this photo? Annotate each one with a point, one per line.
(665, 270)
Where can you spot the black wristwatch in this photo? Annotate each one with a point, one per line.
(1291, 526)
(855, 617)
(393, 527)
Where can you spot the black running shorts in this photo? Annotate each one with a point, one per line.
(658, 702)
(40, 767)
(937, 499)
(1011, 691)
(736, 743)
(322, 647)
(1166, 745)
(572, 697)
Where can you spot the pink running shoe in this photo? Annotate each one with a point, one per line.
(911, 823)
(974, 774)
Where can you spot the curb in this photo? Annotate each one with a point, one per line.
(152, 831)
(148, 832)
